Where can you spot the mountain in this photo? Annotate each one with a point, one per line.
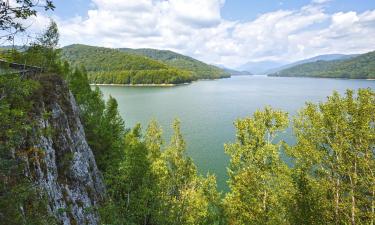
(236, 72)
(360, 67)
(328, 57)
(17, 47)
(106, 65)
(199, 70)
(233, 72)
(260, 67)
(268, 67)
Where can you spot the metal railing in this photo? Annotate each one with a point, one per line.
(17, 68)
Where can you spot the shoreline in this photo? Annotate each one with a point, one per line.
(155, 85)
(336, 78)
(141, 85)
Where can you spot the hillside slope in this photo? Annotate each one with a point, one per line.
(200, 70)
(327, 57)
(105, 65)
(359, 67)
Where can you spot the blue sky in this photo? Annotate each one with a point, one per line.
(228, 32)
(249, 9)
(232, 9)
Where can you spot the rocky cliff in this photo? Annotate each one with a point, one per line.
(59, 160)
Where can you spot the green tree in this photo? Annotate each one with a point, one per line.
(159, 202)
(192, 199)
(335, 154)
(259, 179)
(21, 202)
(135, 170)
(44, 52)
(112, 131)
(12, 15)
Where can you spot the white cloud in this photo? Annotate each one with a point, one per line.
(196, 28)
(320, 1)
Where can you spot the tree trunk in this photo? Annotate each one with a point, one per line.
(337, 197)
(264, 200)
(128, 200)
(372, 206)
(352, 219)
(352, 184)
(145, 220)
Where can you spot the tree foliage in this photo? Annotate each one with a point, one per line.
(259, 179)
(13, 13)
(21, 202)
(107, 66)
(331, 180)
(335, 159)
(359, 67)
(198, 69)
(160, 187)
(43, 53)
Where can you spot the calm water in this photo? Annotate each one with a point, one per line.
(207, 109)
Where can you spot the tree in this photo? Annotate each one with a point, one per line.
(191, 199)
(181, 167)
(21, 202)
(104, 127)
(112, 131)
(44, 52)
(136, 173)
(50, 38)
(259, 179)
(159, 202)
(14, 13)
(335, 154)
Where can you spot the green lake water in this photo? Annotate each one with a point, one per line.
(207, 109)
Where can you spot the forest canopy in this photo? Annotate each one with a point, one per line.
(198, 69)
(359, 67)
(113, 66)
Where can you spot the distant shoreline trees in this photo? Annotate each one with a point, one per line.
(113, 66)
(359, 67)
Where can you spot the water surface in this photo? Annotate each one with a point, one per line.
(207, 109)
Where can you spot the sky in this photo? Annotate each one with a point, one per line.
(221, 32)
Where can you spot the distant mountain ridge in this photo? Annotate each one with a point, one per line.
(357, 67)
(327, 57)
(138, 66)
(268, 66)
(233, 72)
(198, 68)
(111, 66)
(260, 67)
(236, 72)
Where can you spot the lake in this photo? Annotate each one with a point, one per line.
(207, 109)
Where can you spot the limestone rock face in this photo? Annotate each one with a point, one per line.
(62, 163)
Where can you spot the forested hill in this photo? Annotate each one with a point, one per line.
(111, 66)
(359, 67)
(199, 69)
